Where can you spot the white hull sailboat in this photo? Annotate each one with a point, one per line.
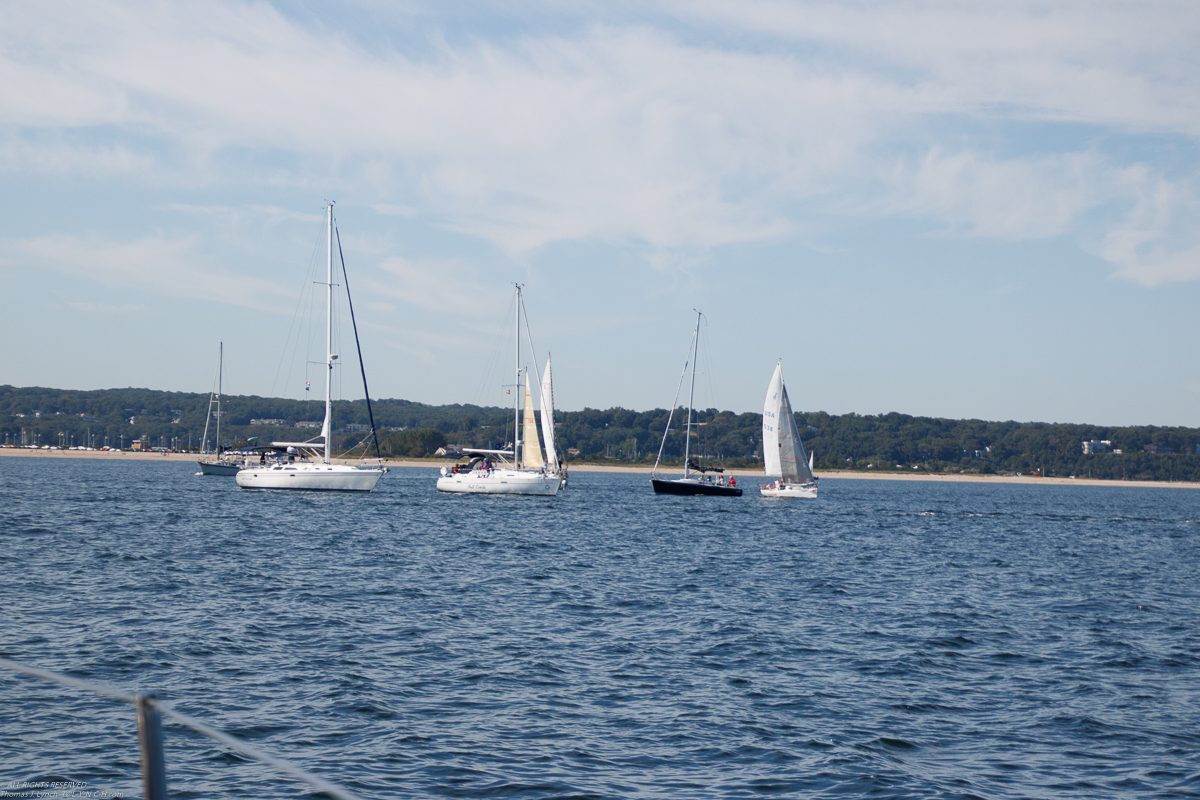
(482, 478)
(689, 484)
(312, 475)
(529, 473)
(783, 452)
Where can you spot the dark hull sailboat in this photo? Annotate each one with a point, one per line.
(690, 485)
(693, 486)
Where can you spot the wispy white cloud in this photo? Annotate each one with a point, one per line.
(118, 309)
(1015, 198)
(733, 123)
(441, 287)
(166, 267)
(57, 158)
(1097, 62)
(1159, 241)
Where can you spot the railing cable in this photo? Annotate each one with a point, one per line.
(150, 735)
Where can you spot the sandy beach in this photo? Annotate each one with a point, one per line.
(432, 463)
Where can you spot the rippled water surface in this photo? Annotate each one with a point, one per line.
(891, 639)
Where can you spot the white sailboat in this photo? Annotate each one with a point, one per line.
(528, 473)
(313, 475)
(783, 452)
(218, 465)
(703, 483)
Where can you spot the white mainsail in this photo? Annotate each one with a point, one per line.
(547, 400)
(771, 423)
(783, 452)
(531, 453)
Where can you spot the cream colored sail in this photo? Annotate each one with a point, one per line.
(531, 453)
(547, 399)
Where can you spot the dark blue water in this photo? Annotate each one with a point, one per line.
(891, 639)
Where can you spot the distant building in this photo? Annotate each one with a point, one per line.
(572, 451)
(1096, 446)
(355, 427)
(1155, 448)
(268, 422)
(309, 424)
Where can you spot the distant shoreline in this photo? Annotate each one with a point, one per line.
(132, 455)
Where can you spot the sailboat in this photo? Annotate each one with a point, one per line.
(313, 475)
(547, 400)
(704, 483)
(528, 473)
(217, 466)
(783, 452)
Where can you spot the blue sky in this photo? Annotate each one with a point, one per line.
(985, 210)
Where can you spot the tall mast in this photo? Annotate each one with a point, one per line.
(687, 439)
(517, 386)
(220, 373)
(329, 335)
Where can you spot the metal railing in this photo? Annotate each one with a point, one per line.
(150, 739)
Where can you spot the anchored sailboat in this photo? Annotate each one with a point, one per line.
(704, 484)
(322, 475)
(528, 473)
(218, 465)
(783, 452)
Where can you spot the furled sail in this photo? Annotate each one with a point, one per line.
(328, 423)
(531, 453)
(547, 400)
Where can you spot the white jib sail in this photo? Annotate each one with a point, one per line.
(531, 455)
(791, 449)
(547, 400)
(771, 423)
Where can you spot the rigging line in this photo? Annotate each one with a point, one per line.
(493, 359)
(532, 353)
(304, 292)
(708, 370)
(674, 404)
(208, 415)
(361, 366)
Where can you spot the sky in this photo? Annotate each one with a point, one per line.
(968, 210)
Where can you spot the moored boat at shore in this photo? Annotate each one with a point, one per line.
(528, 473)
(217, 465)
(703, 483)
(317, 473)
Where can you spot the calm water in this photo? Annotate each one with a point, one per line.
(890, 639)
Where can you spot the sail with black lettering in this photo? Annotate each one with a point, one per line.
(783, 452)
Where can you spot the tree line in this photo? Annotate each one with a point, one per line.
(885, 442)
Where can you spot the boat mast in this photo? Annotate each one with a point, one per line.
(687, 439)
(220, 373)
(329, 334)
(517, 386)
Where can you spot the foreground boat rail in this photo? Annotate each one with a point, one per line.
(150, 739)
